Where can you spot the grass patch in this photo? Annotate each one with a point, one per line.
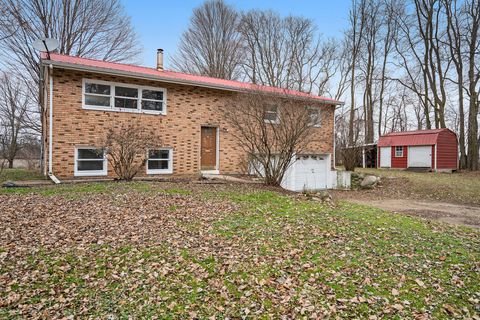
(20, 175)
(276, 255)
(460, 187)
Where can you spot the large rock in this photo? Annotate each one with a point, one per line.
(369, 181)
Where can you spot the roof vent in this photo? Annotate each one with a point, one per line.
(160, 59)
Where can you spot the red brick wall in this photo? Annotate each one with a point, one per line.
(188, 108)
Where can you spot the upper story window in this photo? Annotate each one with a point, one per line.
(398, 152)
(314, 118)
(271, 114)
(104, 95)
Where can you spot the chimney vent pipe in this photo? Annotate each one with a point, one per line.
(160, 59)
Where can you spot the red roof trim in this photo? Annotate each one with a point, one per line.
(410, 138)
(172, 76)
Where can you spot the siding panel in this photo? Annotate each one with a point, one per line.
(447, 152)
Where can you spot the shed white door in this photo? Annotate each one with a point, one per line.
(385, 157)
(420, 157)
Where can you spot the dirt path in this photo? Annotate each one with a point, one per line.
(441, 211)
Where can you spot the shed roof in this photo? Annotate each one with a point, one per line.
(78, 63)
(410, 138)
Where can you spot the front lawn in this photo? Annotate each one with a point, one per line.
(463, 187)
(171, 250)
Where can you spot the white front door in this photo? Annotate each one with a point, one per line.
(420, 157)
(385, 157)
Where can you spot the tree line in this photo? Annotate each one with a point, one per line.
(98, 29)
(399, 65)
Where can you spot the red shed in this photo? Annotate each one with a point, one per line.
(436, 149)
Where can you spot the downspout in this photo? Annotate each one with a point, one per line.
(436, 157)
(334, 142)
(50, 127)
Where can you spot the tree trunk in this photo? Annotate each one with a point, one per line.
(352, 107)
(10, 163)
(472, 158)
(461, 137)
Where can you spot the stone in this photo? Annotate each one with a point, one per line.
(369, 181)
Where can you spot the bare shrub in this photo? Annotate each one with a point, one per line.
(350, 157)
(126, 148)
(269, 139)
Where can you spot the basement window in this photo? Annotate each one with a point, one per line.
(90, 162)
(398, 152)
(160, 161)
(112, 96)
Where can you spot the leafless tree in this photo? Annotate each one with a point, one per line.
(126, 148)
(342, 63)
(88, 28)
(368, 63)
(354, 35)
(420, 45)
(286, 52)
(471, 32)
(14, 105)
(270, 140)
(455, 45)
(211, 46)
(389, 28)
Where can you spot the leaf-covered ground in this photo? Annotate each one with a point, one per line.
(178, 250)
(459, 187)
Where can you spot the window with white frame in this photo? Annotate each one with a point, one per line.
(398, 152)
(90, 162)
(126, 98)
(271, 114)
(113, 96)
(314, 118)
(97, 94)
(160, 161)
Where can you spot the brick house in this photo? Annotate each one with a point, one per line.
(83, 97)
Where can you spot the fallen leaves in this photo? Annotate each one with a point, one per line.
(234, 253)
(420, 283)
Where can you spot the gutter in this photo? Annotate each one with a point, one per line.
(77, 67)
(50, 127)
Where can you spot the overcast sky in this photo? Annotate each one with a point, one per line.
(160, 23)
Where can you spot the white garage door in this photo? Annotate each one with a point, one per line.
(385, 157)
(420, 157)
(308, 173)
(311, 172)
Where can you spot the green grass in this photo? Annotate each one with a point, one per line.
(274, 256)
(458, 187)
(85, 188)
(20, 175)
